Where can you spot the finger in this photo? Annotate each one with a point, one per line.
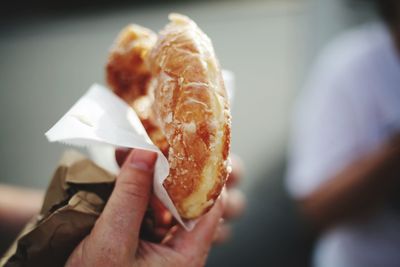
(121, 154)
(170, 235)
(119, 224)
(237, 171)
(222, 234)
(160, 233)
(196, 243)
(157, 221)
(162, 216)
(235, 204)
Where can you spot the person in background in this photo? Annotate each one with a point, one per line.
(344, 162)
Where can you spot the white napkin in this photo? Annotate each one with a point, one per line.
(101, 120)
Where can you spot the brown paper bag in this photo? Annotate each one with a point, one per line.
(74, 199)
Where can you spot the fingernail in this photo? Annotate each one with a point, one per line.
(142, 160)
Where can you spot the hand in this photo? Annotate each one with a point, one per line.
(17, 206)
(162, 222)
(235, 201)
(114, 239)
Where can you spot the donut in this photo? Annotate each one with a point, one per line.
(129, 77)
(174, 83)
(192, 110)
(126, 72)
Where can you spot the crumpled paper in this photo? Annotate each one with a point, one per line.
(79, 188)
(100, 118)
(74, 200)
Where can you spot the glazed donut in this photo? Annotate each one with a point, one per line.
(192, 111)
(129, 77)
(175, 85)
(126, 72)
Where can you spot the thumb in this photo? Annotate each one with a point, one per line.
(119, 224)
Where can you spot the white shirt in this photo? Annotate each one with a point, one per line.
(351, 105)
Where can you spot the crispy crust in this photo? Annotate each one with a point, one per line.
(126, 72)
(175, 85)
(192, 111)
(129, 76)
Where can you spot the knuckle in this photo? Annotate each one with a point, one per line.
(133, 188)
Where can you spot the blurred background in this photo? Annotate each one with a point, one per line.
(51, 52)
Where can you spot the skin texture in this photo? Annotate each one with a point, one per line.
(18, 205)
(114, 240)
(235, 204)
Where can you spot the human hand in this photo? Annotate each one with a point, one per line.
(17, 206)
(114, 239)
(159, 222)
(235, 201)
